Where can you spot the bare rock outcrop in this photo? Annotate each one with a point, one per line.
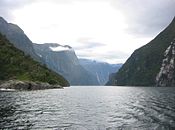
(27, 85)
(165, 77)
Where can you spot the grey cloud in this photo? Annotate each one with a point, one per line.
(146, 17)
(116, 55)
(87, 44)
(7, 7)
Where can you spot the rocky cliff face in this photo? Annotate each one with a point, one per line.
(166, 75)
(63, 60)
(18, 38)
(145, 68)
(101, 70)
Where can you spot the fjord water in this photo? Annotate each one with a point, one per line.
(89, 108)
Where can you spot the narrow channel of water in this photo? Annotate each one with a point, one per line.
(89, 108)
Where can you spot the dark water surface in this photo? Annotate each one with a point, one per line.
(89, 108)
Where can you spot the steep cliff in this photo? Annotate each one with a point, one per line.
(18, 38)
(14, 65)
(143, 66)
(63, 60)
(166, 75)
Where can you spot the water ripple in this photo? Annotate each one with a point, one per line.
(89, 108)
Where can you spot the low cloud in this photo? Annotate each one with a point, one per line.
(7, 7)
(103, 55)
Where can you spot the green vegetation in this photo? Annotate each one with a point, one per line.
(144, 64)
(15, 65)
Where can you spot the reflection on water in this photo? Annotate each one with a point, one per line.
(89, 108)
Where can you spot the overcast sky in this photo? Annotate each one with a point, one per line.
(106, 30)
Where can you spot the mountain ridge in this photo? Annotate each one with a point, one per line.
(15, 65)
(18, 38)
(144, 64)
(63, 60)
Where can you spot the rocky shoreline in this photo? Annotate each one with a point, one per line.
(27, 85)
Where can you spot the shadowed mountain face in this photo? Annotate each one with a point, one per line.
(101, 70)
(17, 37)
(14, 65)
(146, 66)
(63, 60)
